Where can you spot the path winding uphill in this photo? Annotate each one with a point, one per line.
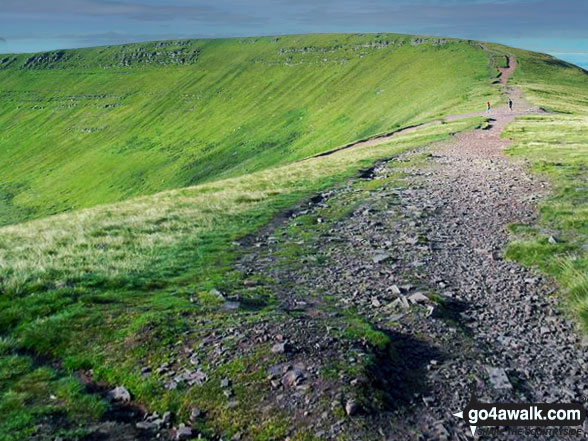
(424, 264)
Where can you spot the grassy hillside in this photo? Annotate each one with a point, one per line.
(90, 126)
(116, 288)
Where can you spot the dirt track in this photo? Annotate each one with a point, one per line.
(497, 326)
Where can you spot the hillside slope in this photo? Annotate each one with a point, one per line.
(140, 292)
(89, 126)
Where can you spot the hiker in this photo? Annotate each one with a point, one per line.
(487, 106)
(510, 104)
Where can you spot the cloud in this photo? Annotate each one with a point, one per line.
(470, 19)
(111, 38)
(133, 10)
(466, 18)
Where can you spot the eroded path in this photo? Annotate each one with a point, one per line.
(421, 262)
(505, 74)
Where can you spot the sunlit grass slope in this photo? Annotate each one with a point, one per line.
(556, 144)
(114, 288)
(89, 126)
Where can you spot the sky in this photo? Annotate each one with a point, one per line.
(557, 27)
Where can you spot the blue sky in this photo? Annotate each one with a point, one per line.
(558, 27)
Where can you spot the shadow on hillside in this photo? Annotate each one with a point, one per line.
(400, 371)
(450, 312)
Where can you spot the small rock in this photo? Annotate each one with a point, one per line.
(292, 377)
(119, 393)
(552, 240)
(231, 306)
(375, 302)
(441, 431)
(216, 293)
(195, 414)
(232, 404)
(224, 382)
(146, 425)
(401, 302)
(418, 297)
(351, 407)
(380, 257)
(395, 290)
(183, 432)
(280, 348)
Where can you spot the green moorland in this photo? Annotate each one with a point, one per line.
(113, 288)
(91, 126)
(219, 125)
(556, 144)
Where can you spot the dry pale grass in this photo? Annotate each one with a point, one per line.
(118, 241)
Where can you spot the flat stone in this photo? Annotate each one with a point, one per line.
(147, 426)
(498, 378)
(418, 297)
(380, 257)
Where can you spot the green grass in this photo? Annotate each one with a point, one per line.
(556, 144)
(101, 125)
(112, 288)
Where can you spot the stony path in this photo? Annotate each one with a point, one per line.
(505, 74)
(440, 237)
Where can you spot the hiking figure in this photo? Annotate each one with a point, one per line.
(487, 106)
(510, 104)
